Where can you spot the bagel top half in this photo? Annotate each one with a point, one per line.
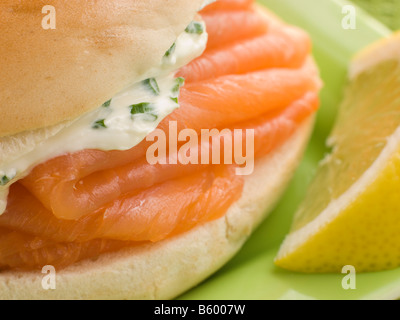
(97, 49)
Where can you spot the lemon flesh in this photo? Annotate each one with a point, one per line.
(351, 213)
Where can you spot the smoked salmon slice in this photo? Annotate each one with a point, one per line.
(221, 101)
(226, 27)
(84, 204)
(150, 215)
(284, 48)
(24, 252)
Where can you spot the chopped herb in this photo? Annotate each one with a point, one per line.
(195, 27)
(4, 180)
(175, 100)
(179, 83)
(170, 50)
(99, 124)
(107, 103)
(152, 85)
(144, 107)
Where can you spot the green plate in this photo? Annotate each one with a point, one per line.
(252, 274)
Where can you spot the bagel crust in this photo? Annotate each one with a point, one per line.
(97, 49)
(166, 269)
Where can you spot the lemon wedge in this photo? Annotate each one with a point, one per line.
(351, 213)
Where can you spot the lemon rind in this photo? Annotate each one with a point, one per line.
(378, 52)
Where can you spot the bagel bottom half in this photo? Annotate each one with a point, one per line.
(166, 269)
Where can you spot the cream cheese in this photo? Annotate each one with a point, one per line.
(120, 123)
